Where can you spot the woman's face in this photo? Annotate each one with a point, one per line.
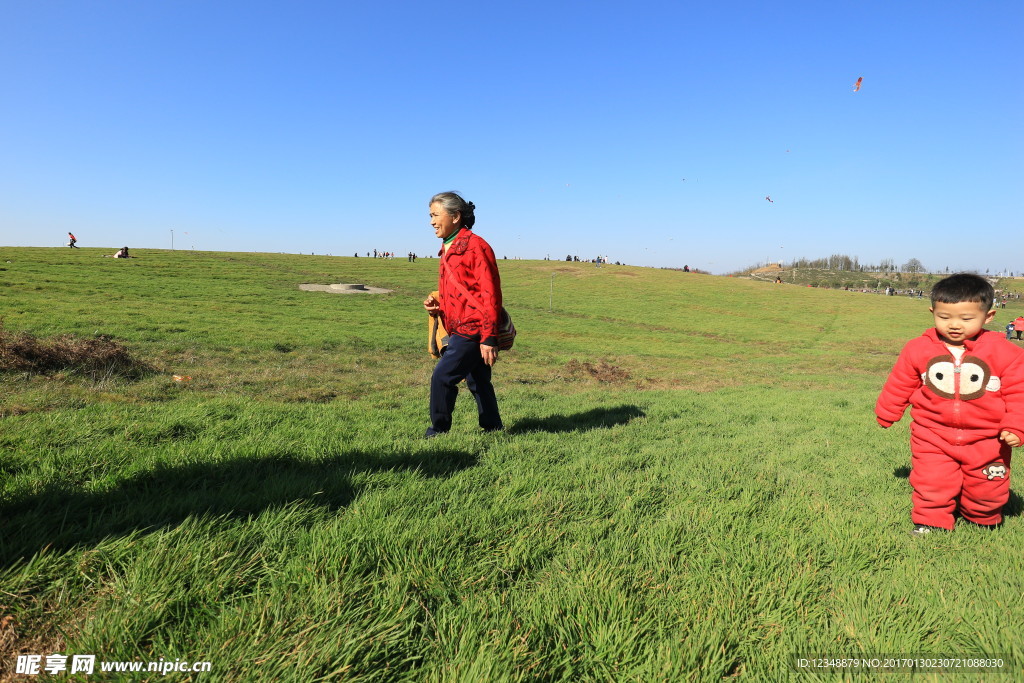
(443, 222)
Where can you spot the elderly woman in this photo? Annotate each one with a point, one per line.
(469, 306)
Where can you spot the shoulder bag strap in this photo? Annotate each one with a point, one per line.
(458, 286)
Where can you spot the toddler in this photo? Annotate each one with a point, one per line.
(965, 386)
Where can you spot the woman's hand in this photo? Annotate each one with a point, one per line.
(489, 354)
(432, 305)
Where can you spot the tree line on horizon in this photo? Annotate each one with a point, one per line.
(842, 262)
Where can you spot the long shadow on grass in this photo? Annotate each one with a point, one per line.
(597, 418)
(62, 518)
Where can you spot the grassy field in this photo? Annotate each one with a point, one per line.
(691, 485)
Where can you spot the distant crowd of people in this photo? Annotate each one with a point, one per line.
(598, 260)
(411, 256)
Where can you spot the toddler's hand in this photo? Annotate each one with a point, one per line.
(1009, 438)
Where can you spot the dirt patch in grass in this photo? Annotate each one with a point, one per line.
(602, 371)
(7, 634)
(97, 358)
(343, 288)
(14, 410)
(12, 643)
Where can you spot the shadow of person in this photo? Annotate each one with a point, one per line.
(901, 472)
(1014, 506)
(596, 418)
(61, 518)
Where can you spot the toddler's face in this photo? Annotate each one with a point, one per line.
(960, 321)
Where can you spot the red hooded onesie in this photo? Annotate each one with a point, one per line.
(958, 408)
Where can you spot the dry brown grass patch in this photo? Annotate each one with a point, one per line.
(98, 357)
(12, 644)
(602, 371)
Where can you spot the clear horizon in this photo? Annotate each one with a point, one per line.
(662, 134)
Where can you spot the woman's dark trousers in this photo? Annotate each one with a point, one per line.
(462, 360)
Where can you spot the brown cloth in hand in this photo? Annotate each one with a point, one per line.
(437, 336)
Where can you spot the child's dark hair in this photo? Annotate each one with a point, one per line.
(964, 287)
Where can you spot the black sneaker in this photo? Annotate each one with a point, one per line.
(431, 433)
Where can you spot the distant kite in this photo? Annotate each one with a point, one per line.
(769, 199)
(856, 86)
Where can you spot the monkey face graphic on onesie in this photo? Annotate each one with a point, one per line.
(975, 377)
(996, 469)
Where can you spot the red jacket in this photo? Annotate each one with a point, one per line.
(471, 261)
(967, 400)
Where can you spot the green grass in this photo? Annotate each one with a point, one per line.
(691, 485)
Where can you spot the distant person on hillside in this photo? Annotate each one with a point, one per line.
(1009, 330)
(470, 307)
(966, 392)
(120, 253)
(71, 241)
(1018, 326)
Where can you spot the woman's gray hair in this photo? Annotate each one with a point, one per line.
(453, 204)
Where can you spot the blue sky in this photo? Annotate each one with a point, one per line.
(650, 132)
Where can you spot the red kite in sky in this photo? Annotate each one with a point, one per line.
(856, 86)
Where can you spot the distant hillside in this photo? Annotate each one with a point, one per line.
(855, 279)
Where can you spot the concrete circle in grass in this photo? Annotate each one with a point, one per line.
(345, 289)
